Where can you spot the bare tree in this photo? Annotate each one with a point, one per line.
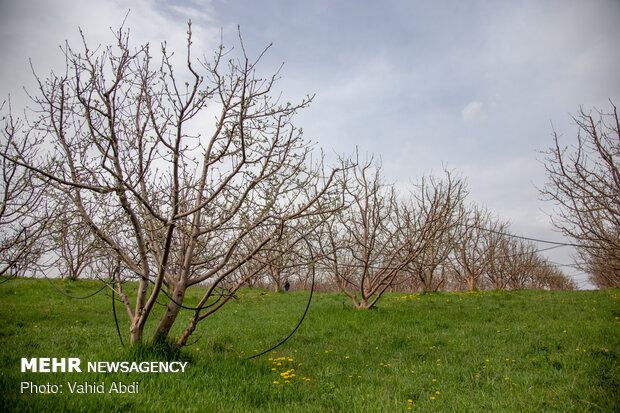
(124, 139)
(514, 263)
(522, 263)
(362, 247)
(528, 269)
(602, 267)
(501, 256)
(73, 246)
(24, 215)
(584, 184)
(470, 258)
(286, 259)
(549, 276)
(373, 245)
(439, 206)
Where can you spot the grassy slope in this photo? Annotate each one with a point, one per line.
(491, 351)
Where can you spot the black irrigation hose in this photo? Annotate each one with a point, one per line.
(118, 329)
(88, 296)
(91, 295)
(72, 296)
(8, 278)
(173, 300)
(220, 297)
(85, 297)
(118, 268)
(192, 308)
(304, 314)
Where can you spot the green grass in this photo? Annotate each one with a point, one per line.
(478, 351)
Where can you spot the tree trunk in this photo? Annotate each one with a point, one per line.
(470, 282)
(172, 311)
(135, 334)
(188, 332)
(363, 303)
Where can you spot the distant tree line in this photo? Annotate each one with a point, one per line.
(429, 239)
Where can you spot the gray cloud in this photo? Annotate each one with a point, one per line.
(474, 112)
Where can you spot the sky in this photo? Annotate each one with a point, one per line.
(477, 87)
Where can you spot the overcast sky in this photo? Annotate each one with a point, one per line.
(472, 85)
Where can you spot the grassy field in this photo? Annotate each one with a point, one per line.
(522, 351)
